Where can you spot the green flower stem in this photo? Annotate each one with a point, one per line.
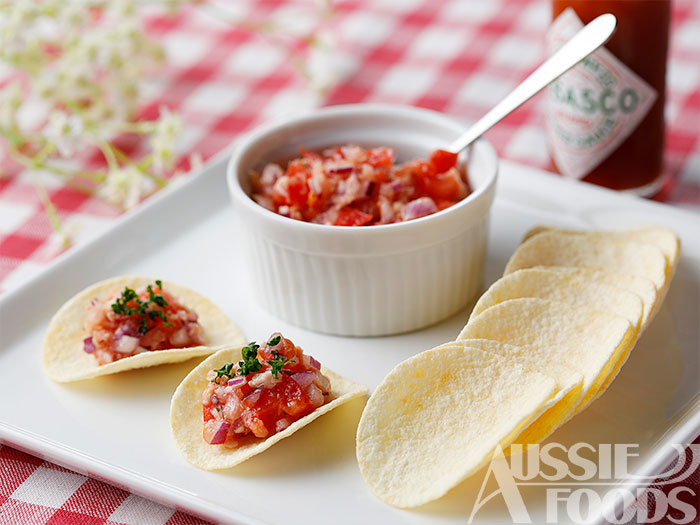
(108, 152)
(140, 128)
(49, 208)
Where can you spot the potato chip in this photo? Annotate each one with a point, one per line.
(569, 385)
(63, 356)
(437, 417)
(186, 415)
(663, 238)
(574, 287)
(641, 286)
(583, 339)
(584, 251)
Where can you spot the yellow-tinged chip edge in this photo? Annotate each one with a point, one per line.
(553, 414)
(386, 388)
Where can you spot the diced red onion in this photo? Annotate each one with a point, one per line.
(353, 189)
(265, 202)
(281, 424)
(341, 169)
(219, 436)
(127, 328)
(180, 337)
(270, 174)
(127, 344)
(418, 208)
(314, 363)
(304, 378)
(276, 334)
(88, 345)
(370, 188)
(396, 185)
(236, 381)
(252, 398)
(315, 395)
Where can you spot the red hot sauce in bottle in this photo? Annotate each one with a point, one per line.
(605, 117)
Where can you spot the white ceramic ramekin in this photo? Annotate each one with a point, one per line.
(368, 280)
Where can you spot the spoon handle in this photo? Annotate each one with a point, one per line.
(587, 40)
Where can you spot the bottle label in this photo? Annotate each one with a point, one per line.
(593, 107)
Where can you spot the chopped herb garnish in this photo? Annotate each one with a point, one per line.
(223, 371)
(142, 309)
(277, 362)
(274, 341)
(120, 306)
(250, 363)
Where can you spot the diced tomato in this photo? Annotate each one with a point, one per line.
(443, 160)
(309, 154)
(352, 217)
(316, 205)
(424, 168)
(381, 157)
(116, 334)
(443, 186)
(332, 194)
(297, 166)
(296, 402)
(273, 403)
(297, 190)
(444, 203)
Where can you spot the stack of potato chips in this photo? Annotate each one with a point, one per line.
(542, 343)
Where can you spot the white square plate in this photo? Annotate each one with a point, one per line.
(116, 427)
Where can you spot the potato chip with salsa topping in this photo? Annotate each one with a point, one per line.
(132, 322)
(239, 402)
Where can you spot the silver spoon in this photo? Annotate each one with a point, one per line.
(587, 40)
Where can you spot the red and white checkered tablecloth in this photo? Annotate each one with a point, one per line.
(459, 57)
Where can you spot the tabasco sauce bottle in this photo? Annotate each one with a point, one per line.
(605, 117)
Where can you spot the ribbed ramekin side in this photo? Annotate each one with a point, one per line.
(373, 294)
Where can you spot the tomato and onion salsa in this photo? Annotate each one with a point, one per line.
(131, 322)
(273, 386)
(352, 186)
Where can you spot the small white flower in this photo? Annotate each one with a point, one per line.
(74, 15)
(125, 187)
(121, 9)
(322, 62)
(65, 132)
(75, 79)
(163, 139)
(10, 101)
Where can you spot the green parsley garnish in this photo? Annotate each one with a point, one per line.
(274, 341)
(223, 371)
(277, 362)
(250, 363)
(142, 309)
(120, 307)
